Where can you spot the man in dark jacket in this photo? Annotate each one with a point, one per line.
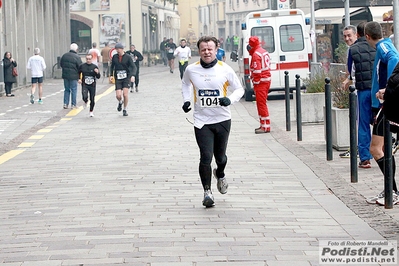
(137, 57)
(123, 71)
(70, 63)
(362, 55)
(163, 51)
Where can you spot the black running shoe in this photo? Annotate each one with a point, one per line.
(125, 113)
(119, 107)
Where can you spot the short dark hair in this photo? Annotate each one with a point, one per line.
(207, 39)
(374, 30)
(360, 28)
(350, 27)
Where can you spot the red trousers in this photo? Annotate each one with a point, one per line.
(261, 92)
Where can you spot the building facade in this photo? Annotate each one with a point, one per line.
(143, 23)
(103, 22)
(160, 19)
(219, 18)
(28, 24)
(222, 18)
(201, 17)
(236, 12)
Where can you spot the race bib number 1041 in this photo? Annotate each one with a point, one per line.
(208, 98)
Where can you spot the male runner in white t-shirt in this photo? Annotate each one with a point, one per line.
(209, 80)
(37, 65)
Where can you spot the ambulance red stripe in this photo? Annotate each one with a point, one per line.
(291, 65)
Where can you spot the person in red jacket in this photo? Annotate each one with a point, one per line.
(261, 79)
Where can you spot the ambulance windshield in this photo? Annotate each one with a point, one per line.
(266, 37)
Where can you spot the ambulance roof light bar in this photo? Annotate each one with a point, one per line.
(275, 13)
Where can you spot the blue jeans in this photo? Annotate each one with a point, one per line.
(71, 89)
(164, 58)
(365, 118)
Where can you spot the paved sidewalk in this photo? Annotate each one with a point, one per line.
(336, 173)
(114, 190)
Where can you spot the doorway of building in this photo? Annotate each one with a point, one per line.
(81, 35)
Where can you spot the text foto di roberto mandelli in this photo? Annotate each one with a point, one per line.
(354, 243)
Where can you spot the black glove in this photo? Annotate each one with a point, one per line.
(224, 101)
(186, 107)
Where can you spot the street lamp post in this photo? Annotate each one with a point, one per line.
(313, 31)
(314, 65)
(347, 15)
(130, 23)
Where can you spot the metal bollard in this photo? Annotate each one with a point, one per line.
(328, 120)
(353, 133)
(287, 102)
(388, 173)
(298, 108)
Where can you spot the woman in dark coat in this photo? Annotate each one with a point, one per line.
(9, 79)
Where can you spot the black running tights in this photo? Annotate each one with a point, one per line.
(85, 91)
(212, 141)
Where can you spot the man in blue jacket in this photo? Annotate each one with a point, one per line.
(386, 59)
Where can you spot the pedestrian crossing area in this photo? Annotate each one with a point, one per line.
(4, 124)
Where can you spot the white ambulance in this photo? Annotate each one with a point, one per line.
(282, 33)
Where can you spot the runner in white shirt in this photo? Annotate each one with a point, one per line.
(183, 53)
(37, 65)
(209, 80)
(95, 53)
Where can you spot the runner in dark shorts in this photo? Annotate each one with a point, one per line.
(123, 71)
(120, 84)
(378, 124)
(170, 48)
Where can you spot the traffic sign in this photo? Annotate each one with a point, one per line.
(283, 4)
(112, 52)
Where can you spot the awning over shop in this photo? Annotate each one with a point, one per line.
(330, 15)
(378, 13)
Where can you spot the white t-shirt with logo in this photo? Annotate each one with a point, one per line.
(95, 53)
(37, 65)
(208, 85)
